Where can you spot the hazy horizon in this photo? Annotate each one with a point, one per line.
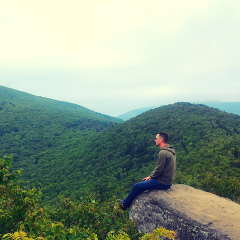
(113, 57)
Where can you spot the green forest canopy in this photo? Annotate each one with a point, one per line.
(72, 151)
(30, 125)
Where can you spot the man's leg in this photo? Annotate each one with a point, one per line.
(141, 187)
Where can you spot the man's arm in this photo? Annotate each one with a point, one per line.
(161, 159)
(160, 165)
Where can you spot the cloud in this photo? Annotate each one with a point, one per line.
(66, 35)
(114, 55)
(90, 34)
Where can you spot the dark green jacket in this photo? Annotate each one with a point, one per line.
(166, 166)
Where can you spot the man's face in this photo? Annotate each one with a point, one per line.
(158, 140)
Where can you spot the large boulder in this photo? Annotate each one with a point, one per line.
(191, 213)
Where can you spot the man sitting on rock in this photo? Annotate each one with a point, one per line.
(161, 177)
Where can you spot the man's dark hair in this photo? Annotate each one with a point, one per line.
(164, 136)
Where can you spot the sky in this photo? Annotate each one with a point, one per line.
(113, 56)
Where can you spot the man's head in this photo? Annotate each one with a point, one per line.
(161, 139)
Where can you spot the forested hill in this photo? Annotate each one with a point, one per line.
(30, 125)
(207, 142)
(71, 150)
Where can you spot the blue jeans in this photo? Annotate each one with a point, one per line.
(141, 187)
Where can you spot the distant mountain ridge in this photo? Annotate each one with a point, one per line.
(133, 113)
(230, 107)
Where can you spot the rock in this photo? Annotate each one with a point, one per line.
(191, 213)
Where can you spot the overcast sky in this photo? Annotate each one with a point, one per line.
(113, 56)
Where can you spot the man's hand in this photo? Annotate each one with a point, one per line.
(146, 178)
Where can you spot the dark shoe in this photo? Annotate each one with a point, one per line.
(120, 204)
(112, 205)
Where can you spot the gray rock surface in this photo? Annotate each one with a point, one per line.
(191, 213)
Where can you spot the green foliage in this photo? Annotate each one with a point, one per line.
(158, 233)
(73, 152)
(206, 140)
(21, 214)
(15, 202)
(215, 167)
(92, 216)
(39, 133)
(22, 217)
(36, 124)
